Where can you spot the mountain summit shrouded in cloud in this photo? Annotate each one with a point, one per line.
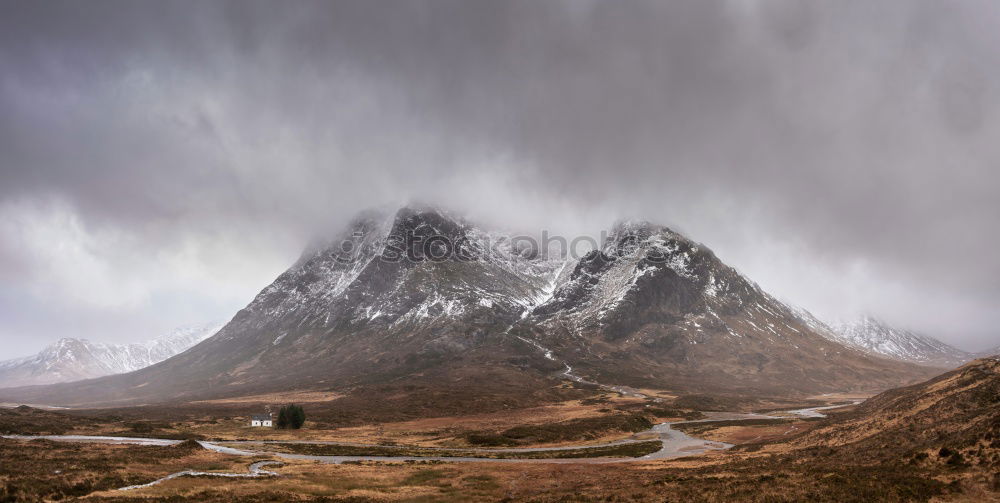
(455, 310)
(164, 161)
(525, 315)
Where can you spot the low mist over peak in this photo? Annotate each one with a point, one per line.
(165, 162)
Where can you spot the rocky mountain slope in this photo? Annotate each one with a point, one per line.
(653, 308)
(951, 419)
(428, 303)
(876, 337)
(76, 359)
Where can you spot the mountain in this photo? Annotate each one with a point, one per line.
(420, 303)
(989, 352)
(950, 420)
(653, 308)
(876, 337)
(76, 359)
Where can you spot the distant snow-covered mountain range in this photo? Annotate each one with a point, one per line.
(878, 338)
(71, 359)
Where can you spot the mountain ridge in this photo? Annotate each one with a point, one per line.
(877, 338)
(957, 411)
(873, 335)
(427, 300)
(656, 302)
(71, 359)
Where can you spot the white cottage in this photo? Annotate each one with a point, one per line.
(261, 420)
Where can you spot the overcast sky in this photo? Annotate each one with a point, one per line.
(161, 162)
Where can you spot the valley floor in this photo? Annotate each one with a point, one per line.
(92, 472)
(763, 466)
(933, 441)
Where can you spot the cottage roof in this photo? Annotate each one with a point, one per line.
(260, 417)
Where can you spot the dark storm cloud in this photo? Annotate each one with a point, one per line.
(840, 153)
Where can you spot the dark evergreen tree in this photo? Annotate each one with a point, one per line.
(297, 416)
(291, 416)
(283, 418)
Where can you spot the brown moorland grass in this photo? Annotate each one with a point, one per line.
(778, 473)
(44, 470)
(627, 450)
(25, 420)
(587, 428)
(750, 479)
(557, 424)
(937, 441)
(277, 398)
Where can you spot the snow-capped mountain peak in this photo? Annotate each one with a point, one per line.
(874, 336)
(423, 295)
(70, 359)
